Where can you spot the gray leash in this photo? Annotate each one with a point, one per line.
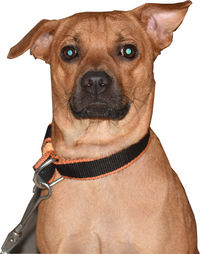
(17, 234)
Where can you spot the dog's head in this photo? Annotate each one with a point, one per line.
(102, 63)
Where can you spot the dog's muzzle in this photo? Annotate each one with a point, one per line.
(98, 95)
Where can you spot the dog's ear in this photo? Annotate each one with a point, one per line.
(161, 20)
(38, 40)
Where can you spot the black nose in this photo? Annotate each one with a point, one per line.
(95, 82)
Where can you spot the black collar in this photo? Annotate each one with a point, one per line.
(89, 169)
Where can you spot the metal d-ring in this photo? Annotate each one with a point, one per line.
(38, 180)
(56, 181)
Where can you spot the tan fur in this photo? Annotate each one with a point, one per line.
(142, 209)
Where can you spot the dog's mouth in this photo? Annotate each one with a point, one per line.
(100, 110)
(98, 95)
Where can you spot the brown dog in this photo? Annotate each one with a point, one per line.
(103, 91)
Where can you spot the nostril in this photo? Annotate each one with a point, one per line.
(89, 83)
(96, 82)
(101, 82)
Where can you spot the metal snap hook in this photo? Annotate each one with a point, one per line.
(39, 182)
(17, 233)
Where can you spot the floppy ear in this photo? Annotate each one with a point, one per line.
(38, 40)
(161, 20)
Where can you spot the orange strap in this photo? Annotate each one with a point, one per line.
(89, 169)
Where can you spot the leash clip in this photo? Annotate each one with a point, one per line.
(17, 234)
(12, 239)
(37, 179)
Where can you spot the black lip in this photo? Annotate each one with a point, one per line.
(100, 111)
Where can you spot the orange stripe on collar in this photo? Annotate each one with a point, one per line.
(90, 169)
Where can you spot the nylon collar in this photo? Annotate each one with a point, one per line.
(90, 169)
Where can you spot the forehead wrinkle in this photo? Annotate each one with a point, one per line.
(126, 34)
(97, 30)
(119, 26)
(97, 23)
(85, 29)
(122, 38)
(75, 38)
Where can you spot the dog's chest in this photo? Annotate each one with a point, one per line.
(105, 215)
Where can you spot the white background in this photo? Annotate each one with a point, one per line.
(25, 100)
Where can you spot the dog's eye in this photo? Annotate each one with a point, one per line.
(129, 51)
(69, 52)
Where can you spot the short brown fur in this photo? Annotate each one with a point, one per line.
(142, 209)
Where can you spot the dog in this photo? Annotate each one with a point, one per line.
(103, 91)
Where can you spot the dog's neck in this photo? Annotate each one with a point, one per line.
(73, 138)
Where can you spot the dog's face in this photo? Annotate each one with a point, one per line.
(97, 73)
(102, 64)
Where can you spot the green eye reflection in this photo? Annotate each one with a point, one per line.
(128, 51)
(69, 52)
